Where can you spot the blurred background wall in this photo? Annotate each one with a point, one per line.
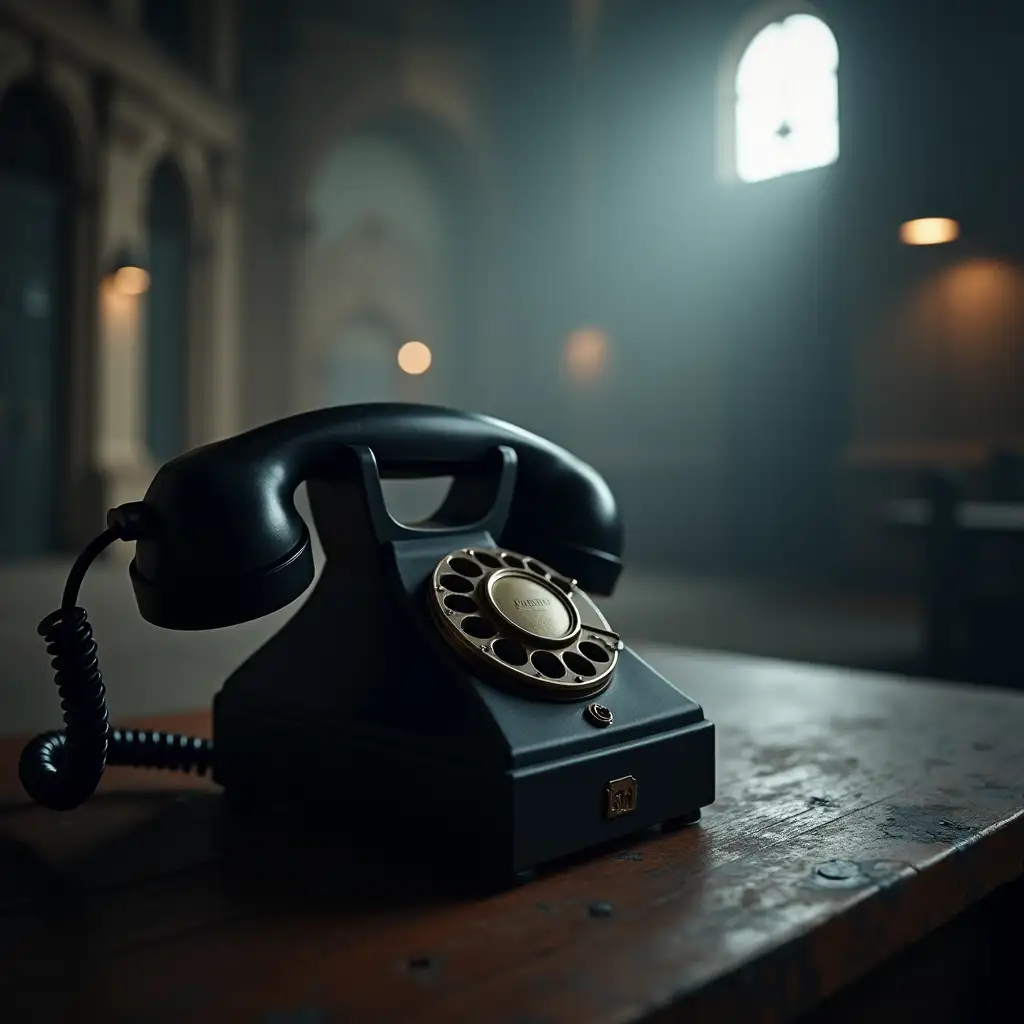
(540, 194)
(216, 213)
(120, 162)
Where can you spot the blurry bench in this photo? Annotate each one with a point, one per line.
(972, 529)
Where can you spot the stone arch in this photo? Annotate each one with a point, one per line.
(190, 161)
(69, 104)
(346, 262)
(441, 137)
(35, 103)
(452, 160)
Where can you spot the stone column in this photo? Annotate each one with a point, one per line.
(121, 456)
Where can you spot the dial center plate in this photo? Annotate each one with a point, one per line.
(532, 605)
(521, 623)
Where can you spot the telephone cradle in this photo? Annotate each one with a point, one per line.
(453, 675)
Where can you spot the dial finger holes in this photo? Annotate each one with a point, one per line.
(563, 584)
(536, 567)
(465, 567)
(485, 559)
(511, 652)
(595, 652)
(479, 627)
(457, 583)
(578, 664)
(511, 561)
(547, 664)
(460, 603)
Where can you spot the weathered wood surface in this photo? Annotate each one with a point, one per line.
(856, 814)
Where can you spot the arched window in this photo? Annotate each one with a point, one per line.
(786, 99)
(167, 304)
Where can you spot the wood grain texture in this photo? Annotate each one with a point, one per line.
(856, 814)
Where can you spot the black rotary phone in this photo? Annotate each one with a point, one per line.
(454, 673)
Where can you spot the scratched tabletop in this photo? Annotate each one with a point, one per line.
(856, 815)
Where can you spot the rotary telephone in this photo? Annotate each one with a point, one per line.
(455, 673)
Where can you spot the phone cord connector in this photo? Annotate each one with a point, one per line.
(61, 769)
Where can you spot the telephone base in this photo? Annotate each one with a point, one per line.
(444, 858)
(360, 706)
(488, 821)
(323, 843)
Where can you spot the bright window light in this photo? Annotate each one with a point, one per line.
(787, 100)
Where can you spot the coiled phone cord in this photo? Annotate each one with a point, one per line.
(61, 769)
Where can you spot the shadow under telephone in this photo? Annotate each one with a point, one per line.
(454, 672)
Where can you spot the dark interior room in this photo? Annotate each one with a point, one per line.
(511, 512)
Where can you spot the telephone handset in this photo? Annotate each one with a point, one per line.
(446, 671)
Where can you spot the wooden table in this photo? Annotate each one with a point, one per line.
(865, 849)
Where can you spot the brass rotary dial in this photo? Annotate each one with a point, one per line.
(520, 621)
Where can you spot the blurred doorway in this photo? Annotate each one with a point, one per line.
(377, 275)
(35, 257)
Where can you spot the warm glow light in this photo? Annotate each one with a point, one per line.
(131, 280)
(929, 231)
(414, 357)
(586, 353)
